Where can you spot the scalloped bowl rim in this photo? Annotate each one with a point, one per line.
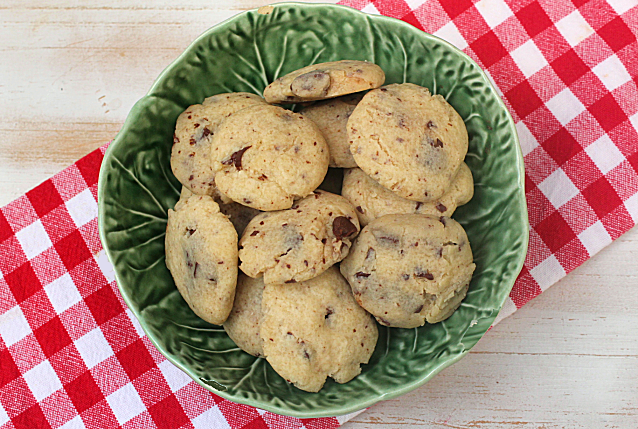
(346, 408)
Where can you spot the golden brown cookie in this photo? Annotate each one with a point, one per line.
(190, 155)
(201, 254)
(408, 140)
(315, 329)
(299, 243)
(265, 157)
(331, 116)
(410, 268)
(244, 321)
(325, 80)
(373, 200)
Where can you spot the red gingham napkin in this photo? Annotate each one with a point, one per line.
(72, 355)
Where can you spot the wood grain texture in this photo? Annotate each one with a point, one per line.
(70, 73)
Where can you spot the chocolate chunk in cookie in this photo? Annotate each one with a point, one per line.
(325, 80)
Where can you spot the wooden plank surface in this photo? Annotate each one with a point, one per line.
(69, 75)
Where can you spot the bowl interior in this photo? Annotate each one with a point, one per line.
(245, 53)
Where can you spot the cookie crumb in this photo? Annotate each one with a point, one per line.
(265, 10)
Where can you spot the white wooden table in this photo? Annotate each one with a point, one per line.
(70, 72)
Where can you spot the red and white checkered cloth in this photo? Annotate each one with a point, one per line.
(72, 355)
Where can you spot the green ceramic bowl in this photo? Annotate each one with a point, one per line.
(245, 53)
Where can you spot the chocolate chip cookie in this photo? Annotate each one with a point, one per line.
(244, 322)
(373, 200)
(408, 269)
(325, 80)
(201, 254)
(300, 243)
(190, 155)
(408, 140)
(265, 157)
(315, 329)
(331, 116)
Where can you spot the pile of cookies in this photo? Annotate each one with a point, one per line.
(316, 266)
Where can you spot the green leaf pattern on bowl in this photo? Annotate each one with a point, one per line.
(245, 53)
